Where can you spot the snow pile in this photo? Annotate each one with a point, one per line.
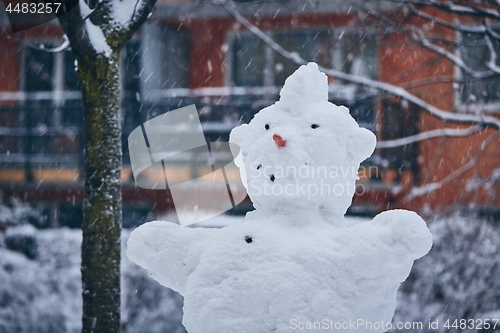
(458, 279)
(294, 260)
(43, 294)
(17, 212)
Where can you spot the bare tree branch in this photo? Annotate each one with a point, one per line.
(452, 7)
(142, 11)
(382, 86)
(64, 45)
(416, 35)
(457, 27)
(428, 188)
(441, 132)
(490, 30)
(492, 63)
(430, 80)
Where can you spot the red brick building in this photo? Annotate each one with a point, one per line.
(191, 52)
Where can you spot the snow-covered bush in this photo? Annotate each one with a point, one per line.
(458, 279)
(22, 239)
(147, 306)
(17, 212)
(43, 295)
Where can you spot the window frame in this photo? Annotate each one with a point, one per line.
(233, 35)
(478, 105)
(58, 93)
(339, 91)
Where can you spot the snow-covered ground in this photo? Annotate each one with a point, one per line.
(43, 294)
(40, 281)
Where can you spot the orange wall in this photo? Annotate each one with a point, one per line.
(401, 62)
(9, 65)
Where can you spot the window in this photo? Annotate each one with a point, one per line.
(165, 54)
(46, 71)
(131, 69)
(475, 54)
(156, 61)
(52, 84)
(255, 64)
(400, 119)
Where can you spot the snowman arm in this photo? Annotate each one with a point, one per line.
(170, 252)
(405, 231)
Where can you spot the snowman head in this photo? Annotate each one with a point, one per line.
(303, 151)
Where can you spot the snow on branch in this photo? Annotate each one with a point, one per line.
(490, 30)
(455, 26)
(64, 45)
(379, 85)
(132, 16)
(106, 24)
(420, 38)
(428, 188)
(454, 8)
(492, 63)
(416, 35)
(441, 132)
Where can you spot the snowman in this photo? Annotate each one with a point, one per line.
(294, 263)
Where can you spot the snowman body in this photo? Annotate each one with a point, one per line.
(293, 263)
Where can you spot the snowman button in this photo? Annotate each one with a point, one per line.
(248, 239)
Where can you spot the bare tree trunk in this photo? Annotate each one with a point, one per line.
(97, 52)
(102, 209)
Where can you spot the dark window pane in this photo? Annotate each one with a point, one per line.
(39, 113)
(177, 58)
(9, 118)
(357, 54)
(310, 45)
(9, 145)
(71, 113)
(363, 110)
(38, 70)
(399, 122)
(71, 79)
(248, 61)
(71, 216)
(475, 54)
(65, 144)
(131, 62)
(41, 145)
(131, 83)
(165, 60)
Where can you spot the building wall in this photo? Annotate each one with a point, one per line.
(400, 62)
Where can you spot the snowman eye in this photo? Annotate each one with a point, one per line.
(267, 127)
(314, 126)
(248, 239)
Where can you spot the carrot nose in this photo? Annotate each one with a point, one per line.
(279, 141)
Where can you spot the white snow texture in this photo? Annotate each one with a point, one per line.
(294, 259)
